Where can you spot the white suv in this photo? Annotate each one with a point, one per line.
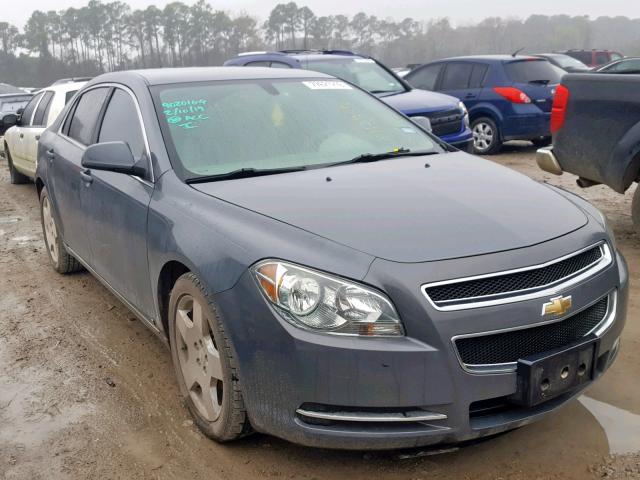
(21, 140)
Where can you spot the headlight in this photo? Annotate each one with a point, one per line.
(319, 302)
(464, 111)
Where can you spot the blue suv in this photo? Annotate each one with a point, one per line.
(508, 97)
(448, 115)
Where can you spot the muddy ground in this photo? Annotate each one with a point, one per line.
(87, 392)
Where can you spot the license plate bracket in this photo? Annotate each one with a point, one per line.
(543, 377)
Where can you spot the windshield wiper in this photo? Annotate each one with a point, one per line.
(374, 157)
(541, 82)
(243, 173)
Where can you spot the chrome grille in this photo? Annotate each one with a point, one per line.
(513, 345)
(510, 285)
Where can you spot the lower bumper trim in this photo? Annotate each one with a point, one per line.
(414, 416)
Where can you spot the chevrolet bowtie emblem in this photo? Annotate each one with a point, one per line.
(557, 306)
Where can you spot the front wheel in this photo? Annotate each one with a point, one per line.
(204, 363)
(486, 136)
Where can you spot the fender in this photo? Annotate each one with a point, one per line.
(624, 163)
(485, 109)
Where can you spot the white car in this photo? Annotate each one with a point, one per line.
(21, 140)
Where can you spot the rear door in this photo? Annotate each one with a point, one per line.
(31, 133)
(65, 171)
(116, 206)
(537, 78)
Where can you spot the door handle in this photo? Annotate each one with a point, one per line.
(86, 176)
(469, 95)
(51, 154)
(22, 135)
(37, 137)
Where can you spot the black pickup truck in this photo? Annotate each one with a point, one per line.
(595, 122)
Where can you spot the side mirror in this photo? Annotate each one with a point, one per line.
(423, 122)
(112, 157)
(9, 120)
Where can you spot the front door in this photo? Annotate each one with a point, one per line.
(116, 207)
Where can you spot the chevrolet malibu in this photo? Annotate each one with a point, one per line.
(323, 269)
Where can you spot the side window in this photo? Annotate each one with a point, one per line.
(83, 123)
(121, 123)
(478, 74)
(602, 58)
(626, 66)
(425, 77)
(261, 63)
(40, 119)
(456, 76)
(25, 118)
(69, 95)
(279, 65)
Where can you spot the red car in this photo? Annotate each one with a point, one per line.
(594, 58)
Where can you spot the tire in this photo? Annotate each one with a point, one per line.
(201, 353)
(542, 142)
(635, 208)
(486, 136)
(63, 262)
(15, 177)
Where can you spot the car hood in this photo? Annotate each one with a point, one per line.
(403, 210)
(418, 101)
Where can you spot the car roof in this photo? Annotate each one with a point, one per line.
(162, 76)
(488, 58)
(64, 87)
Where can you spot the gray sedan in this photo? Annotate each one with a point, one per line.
(323, 269)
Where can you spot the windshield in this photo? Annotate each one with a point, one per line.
(526, 71)
(565, 61)
(219, 127)
(364, 72)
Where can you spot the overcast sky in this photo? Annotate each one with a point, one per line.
(460, 11)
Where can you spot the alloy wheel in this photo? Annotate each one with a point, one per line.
(482, 136)
(50, 230)
(199, 358)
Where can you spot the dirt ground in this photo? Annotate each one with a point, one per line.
(87, 392)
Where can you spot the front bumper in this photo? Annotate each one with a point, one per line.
(288, 376)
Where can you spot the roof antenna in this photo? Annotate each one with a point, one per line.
(517, 52)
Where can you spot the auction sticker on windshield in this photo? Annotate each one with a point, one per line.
(327, 85)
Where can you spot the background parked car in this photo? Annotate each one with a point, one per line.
(21, 140)
(624, 65)
(448, 116)
(599, 141)
(593, 58)
(565, 62)
(508, 97)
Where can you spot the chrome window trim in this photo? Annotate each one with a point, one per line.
(145, 137)
(510, 367)
(521, 295)
(371, 417)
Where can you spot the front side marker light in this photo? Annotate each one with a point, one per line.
(324, 303)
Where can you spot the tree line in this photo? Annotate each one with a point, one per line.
(105, 36)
